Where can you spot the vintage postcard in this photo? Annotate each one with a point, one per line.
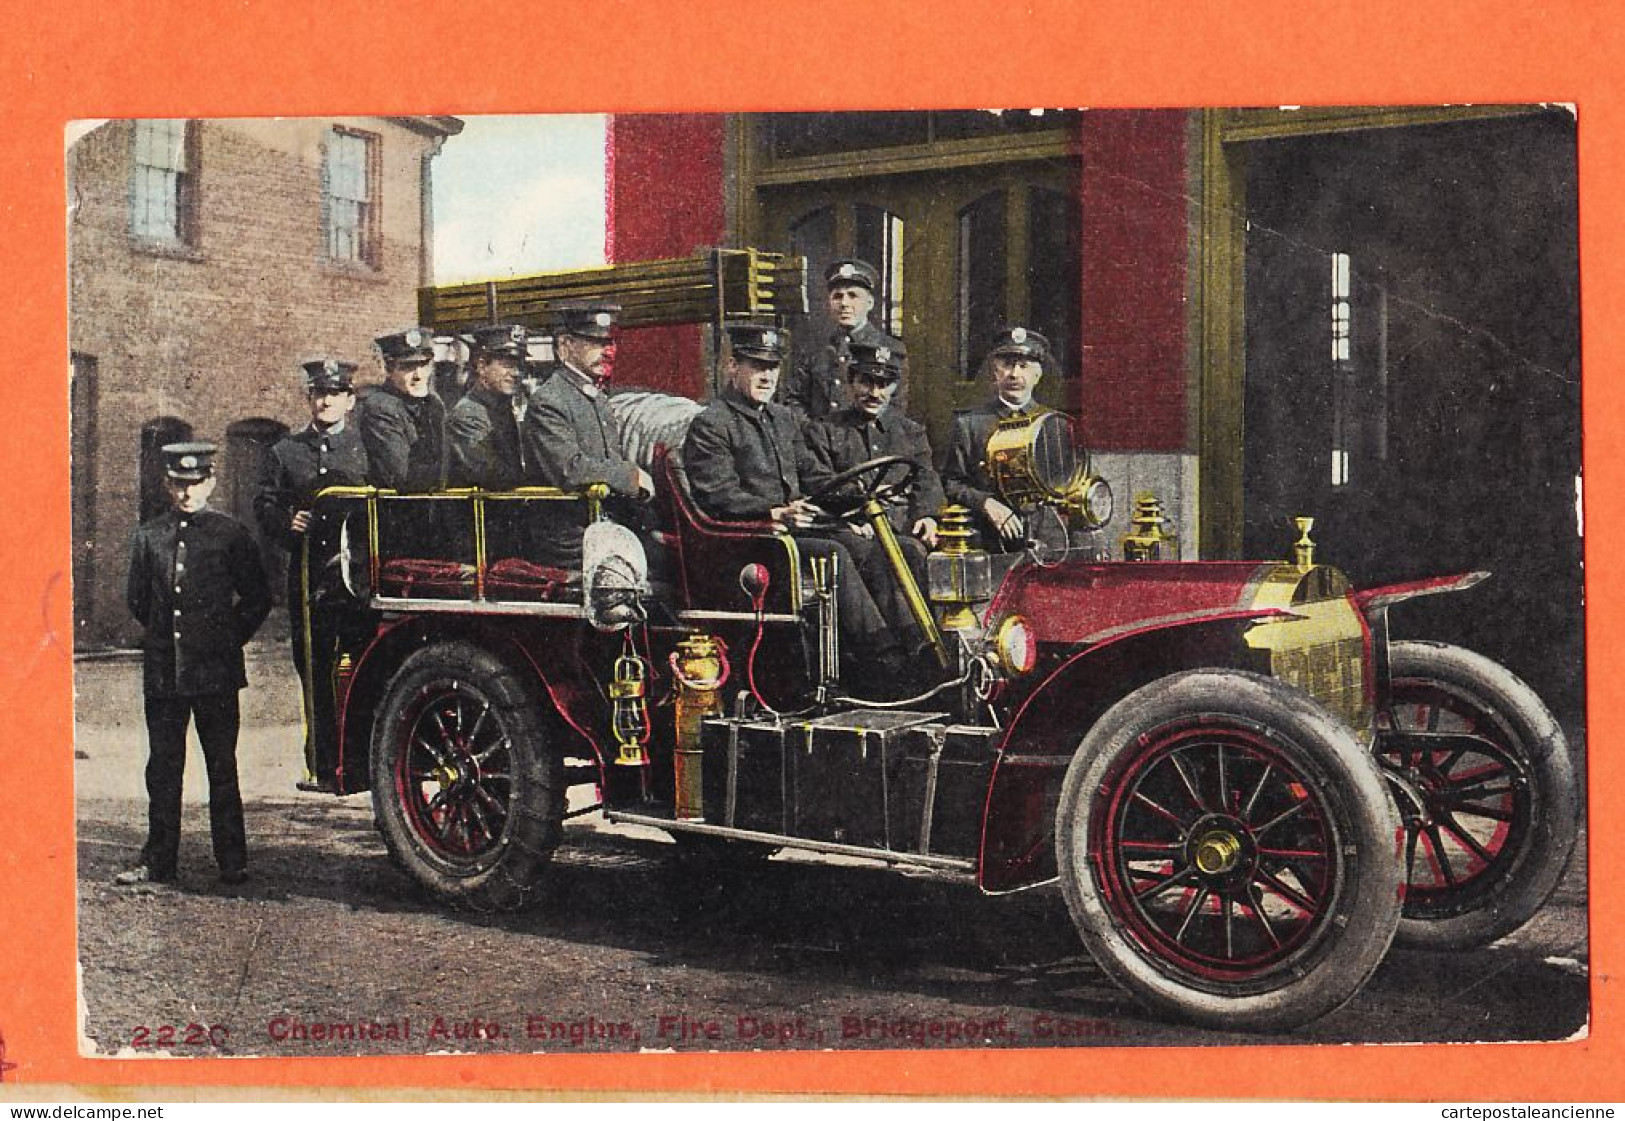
(953, 579)
(711, 593)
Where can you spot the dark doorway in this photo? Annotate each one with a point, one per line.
(1413, 374)
(82, 372)
(248, 446)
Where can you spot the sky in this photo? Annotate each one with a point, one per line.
(518, 195)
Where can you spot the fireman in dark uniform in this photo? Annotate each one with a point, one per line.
(1015, 364)
(570, 436)
(327, 452)
(484, 424)
(817, 387)
(870, 427)
(745, 455)
(200, 592)
(403, 422)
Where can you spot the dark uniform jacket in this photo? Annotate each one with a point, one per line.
(744, 459)
(817, 386)
(571, 439)
(964, 478)
(300, 464)
(405, 438)
(485, 441)
(847, 438)
(199, 590)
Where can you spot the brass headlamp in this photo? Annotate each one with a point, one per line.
(1035, 460)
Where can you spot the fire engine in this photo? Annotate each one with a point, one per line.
(1244, 787)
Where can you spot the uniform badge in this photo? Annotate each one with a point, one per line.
(414, 338)
(330, 367)
(1019, 335)
(517, 334)
(882, 354)
(770, 338)
(188, 461)
(846, 271)
(602, 319)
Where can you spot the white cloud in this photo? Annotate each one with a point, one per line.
(517, 195)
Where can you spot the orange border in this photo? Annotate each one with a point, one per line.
(76, 58)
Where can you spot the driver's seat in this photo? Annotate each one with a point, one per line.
(711, 553)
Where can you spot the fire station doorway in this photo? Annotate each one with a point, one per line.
(1413, 374)
(972, 220)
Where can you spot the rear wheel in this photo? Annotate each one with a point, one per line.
(1498, 809)
(468, 796)
(1227, 851)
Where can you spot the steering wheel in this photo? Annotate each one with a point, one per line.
(883, 479)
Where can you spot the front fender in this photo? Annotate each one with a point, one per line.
(1018, 824)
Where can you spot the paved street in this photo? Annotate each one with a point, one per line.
(331, 950)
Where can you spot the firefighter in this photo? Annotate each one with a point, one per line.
(817, 387)
(327, 452)
(570, 436)
(1015, 364)
(484, 424)
(745, 455)
(198, 589)
(403, 421)
(869, 427)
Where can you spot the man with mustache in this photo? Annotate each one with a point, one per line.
(570, 436)
(870, 427)
(1015, 364)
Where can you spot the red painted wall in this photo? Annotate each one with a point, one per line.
(664, 187)
(1135, 235)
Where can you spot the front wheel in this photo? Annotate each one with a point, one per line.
(467, 794)
(1488, 790)
(1227, 851)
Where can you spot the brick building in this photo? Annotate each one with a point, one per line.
(1367, 315)
(207, 259)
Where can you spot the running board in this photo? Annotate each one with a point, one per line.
(922, 860)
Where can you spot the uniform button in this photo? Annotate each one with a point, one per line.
(321, 470)
(177, 613)
(179, 568)
(177, 589)
(183, 525)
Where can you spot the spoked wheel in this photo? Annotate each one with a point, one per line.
(1227, 851)
(469, 798)
(1487, 790)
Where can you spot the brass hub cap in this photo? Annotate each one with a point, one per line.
(1217, 852)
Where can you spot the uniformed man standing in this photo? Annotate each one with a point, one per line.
(870, 427)
(403, 422)
(817, 387)
(327, 452)
(484, 424)
(1015, 364)
(570, 436)
(744, 456)
(200, 592)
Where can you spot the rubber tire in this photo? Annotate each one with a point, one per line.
(509, 878)
(1352, 941)
(1534, 736)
